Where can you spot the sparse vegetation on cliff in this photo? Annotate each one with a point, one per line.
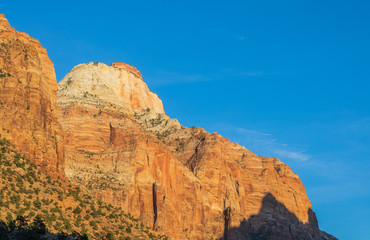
(4, 74)
(33, 204)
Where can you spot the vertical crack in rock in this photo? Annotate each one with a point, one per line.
(57, 151)
(112, 134)
(116, 165)
(227, 218)
(154, 205)
(237, 187)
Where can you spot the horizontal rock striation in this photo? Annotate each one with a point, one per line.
(185, 182)
(108, 133)
(110, 154)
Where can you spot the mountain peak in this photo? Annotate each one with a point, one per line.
(4, 24)
(128, 68)
(97, 84)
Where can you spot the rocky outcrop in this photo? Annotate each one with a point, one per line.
(185, 182)
(110, 154)
(119, 86)
(236, 183)
(28, 90)
(128, 68)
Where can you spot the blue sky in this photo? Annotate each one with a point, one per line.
(284, 78)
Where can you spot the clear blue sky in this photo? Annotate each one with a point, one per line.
(283, 78)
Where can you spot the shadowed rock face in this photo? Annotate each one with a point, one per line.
(28, 90)
(185, 182)
(275, 222)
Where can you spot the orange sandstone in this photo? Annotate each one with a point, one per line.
(28, 90)
(184, 182)
(128, 68)
(121, 146)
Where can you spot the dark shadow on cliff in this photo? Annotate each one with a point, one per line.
(273, 222)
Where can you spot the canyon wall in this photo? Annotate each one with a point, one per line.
(182, 181)
(28, 90)
(108, 133)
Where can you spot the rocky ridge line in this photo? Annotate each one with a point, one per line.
(153, 167)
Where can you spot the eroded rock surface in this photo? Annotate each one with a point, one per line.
(235, 182)
(28, 90)
(185, 182)
(122, 147)
(118, 86)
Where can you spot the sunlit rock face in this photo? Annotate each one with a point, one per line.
(184, 182)
(28, 90)
(251, 193)
(122, 147)
(117, 86)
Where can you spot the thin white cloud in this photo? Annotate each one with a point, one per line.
(334, 192)
(249, 131)
(172, 77)
(256, 74)
(300, 156)
(265, 143)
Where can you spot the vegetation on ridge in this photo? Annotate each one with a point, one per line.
(35, 206)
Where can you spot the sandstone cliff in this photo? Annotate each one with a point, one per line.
(121, 147)
(238, 184)
(114, 157)
(117, 86)
(28, 99)
(35, 206)
(182, 181)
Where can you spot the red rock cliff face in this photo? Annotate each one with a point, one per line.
(113, 156)
(120, 145)
(28, 99)
(237, 184)
(185, 182)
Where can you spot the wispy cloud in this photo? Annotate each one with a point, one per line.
(340, 190)
(255, 73)
(300, 156)
(172, 78)
(249, 131)
(334, 171)
(251, 74)
(164, 78)
(265, 143)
